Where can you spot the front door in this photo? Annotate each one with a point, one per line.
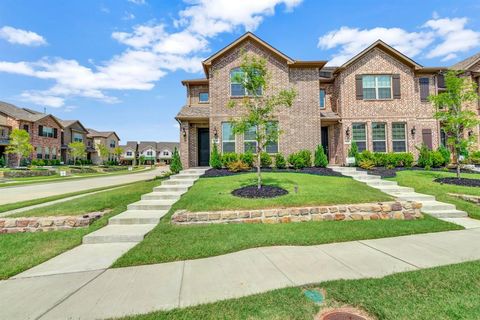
(203, 147)
(325, 141)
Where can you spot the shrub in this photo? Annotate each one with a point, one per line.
(176, 164)
(320, 157)
(474, 157)
(296, 161)
(2, 162)
(407, 159)
(25, 162)
(247, 158)
(280, 162)
(307, 157)
(437, 159)
(445, 154)
(366, 164)
(380, 159)
(265, 160)
(237, 166)
(215, 158)
(365, 155)
(353, 151)
(425, 157)
(229, 157)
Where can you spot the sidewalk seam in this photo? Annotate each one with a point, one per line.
(276, 267)
(390, 255)
(181, 283)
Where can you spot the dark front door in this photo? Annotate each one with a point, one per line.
(325, 141)
(203, 147)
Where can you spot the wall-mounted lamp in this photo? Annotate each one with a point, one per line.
(215, 133)
(413, 131)
(184, 132)
(347, 133)
(470, 133)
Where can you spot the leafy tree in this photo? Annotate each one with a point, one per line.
(215, 158)
(176, 165)
(141, 159)
(258, 106)
(77, 150)
(456, 120)
(19, 144)
(118, 151)
(103, 152)
(320, 157)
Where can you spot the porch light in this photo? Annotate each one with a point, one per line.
(413, 130)
(184, 132)
(347, 133)
(470, 133)
(215, 133)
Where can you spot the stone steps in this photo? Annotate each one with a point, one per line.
(162, 195)
(171, 188)
(180, 182)
(138, 217)
(413, 196)
(119, 233)
(151, 205)
(450, 213)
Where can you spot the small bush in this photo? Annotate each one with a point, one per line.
(474, 157)
(247, 158)
(237, 166)
(425, 157)
(407, 160)
(25, 162)
(265, 160)
(366, 164)
(176, 164)
(446, 154)
(437, 159)
(229, 157)
(280, 162)
(353, 151)
(2, 162)
(320, 157)
(365, 155)
(296, 161)
(307, 157)
(215, 158)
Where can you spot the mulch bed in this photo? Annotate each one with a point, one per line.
(391, 173)
(264, 192)
(459, 182)
(311, 170)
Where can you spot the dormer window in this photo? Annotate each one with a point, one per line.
(203, 97)
(236, 86)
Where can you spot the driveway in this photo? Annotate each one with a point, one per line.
(42, 190)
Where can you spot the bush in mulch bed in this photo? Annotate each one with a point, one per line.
(392, 172)
(263, 192)
(310, 170)
(459, 182)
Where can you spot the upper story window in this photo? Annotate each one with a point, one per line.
(322, 98)
(236, 86)
(325, 74)
(4, 132)
(228, 138)
(166, 153)
(377, 87)
(25, 127)
(203, 97)
(129, 153)
(47, 132)
(112, 143)
(77, 137)
(424, 89)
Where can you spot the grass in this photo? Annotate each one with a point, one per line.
(169, 242)
(214, 193)
(422, 181)
(21, 251)
(449, 292)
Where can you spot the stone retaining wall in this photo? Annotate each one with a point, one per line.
(28, 173)
(34, 224)
(399, 210)
(466, 197)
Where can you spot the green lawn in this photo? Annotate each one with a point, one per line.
(449, 292)
(168, 242)
(215, 193)
(21, 251)
(422, 181)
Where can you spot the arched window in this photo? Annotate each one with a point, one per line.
(236, 86)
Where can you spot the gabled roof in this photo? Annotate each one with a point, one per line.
(24, 114)
(386, 48)
(68, 123)
(467, 63)
(144, 145)
(193, 112)
(102, 134)
(161, 146)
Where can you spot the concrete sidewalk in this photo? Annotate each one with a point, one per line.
(108, 293)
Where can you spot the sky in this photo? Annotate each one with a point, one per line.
(117, 65)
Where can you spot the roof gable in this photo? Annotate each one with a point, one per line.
(467, 63)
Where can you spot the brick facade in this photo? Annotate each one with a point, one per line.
(44, 142)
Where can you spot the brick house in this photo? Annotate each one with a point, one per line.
(44, 129)
(73, 131)
(378, 98)
(107, 138)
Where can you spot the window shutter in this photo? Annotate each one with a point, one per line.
(441, 81)
(55, 133)
(396, 86)
(40, 131)
(427, 137)
(359, 86)
(424, 89)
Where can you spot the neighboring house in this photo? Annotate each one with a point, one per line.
(379, 98)
(147, 150)
(129, 154)
(44, 129)
(165, 151)
(108, 138)
(73, 131)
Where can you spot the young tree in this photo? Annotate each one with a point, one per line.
(19, 144)
(118, 152)
(176, 165)
(260, 108)
(76, 151)
(456, 120)
(103, 152)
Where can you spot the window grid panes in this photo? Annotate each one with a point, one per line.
(377, 87)
(228, 138)
(359, 135)
(379, 137)
(77, 137)
(47, 153)
(399, 137)
(47, 132)
(236, 88)
(322, 98)
(203, 97)
(54, 153)
(272, 146)
(39, 152)
(249, 140)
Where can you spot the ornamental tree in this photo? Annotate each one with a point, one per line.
(118, 151)
(103, 152)
(19, 144)
(456, 120)
(76, 150)
(259, 107)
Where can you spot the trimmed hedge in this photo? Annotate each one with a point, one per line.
(389, 159)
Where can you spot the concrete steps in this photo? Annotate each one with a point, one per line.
(138, 217)
(119, 233)
(151, 205)
(162, 195)
(413, 196)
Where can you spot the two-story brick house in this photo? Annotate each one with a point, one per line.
(73, 131)
(107, 138)
(44, 129)
(379, 98)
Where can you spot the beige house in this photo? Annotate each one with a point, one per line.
(73, 131)
(379, 98)
(107, 138)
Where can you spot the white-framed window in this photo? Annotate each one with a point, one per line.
(399, 141)
(322, 98)
(129, 153)
(203, 97)
(47, 132)
(77, 137)
(272, 146)
(228, 138)
(39, 152)
(112, 143)
(54, 153)
(166, 153)
(359, 135)
(250, 140)
(236, 88)
(150, 153)
(377, 87)
(47, 153)
(379, 137)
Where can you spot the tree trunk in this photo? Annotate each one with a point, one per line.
(259, 173)
(19, 156)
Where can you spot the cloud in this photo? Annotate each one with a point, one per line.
(128, 16)
(23, 37)
(438, 37)
(137, 2)
(151, 52)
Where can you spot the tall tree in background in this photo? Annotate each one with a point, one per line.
(260, 108)
(103, 152)
(77, 151)
(455, 118)
(19, 144)
(118, 152)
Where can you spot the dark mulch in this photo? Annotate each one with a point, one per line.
(391, 173)
(263, 192)
(311, 170)
(459, 182)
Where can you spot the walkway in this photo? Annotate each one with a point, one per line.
(100, 294)
(43, 190)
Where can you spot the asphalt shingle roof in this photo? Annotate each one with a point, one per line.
(464, 64)
(194, 112)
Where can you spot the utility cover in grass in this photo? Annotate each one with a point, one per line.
(264, 192)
